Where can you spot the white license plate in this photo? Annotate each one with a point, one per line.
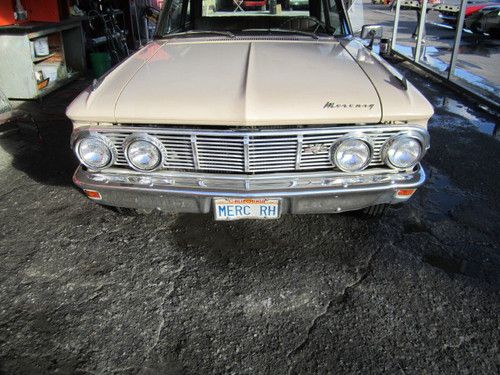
(235, 208)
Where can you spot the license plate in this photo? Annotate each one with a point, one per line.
(235, 209)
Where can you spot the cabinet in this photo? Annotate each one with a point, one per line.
(25, 74)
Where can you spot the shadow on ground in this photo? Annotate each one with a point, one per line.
(39, 145)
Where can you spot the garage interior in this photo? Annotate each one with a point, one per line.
(85, 289)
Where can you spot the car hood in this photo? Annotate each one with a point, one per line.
(240, 82)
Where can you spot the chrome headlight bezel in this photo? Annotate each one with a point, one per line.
(349, 137)
(145, 138)
(421, 137)
(100, 138)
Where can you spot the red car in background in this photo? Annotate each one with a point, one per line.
(485, 21)
(477, 7)
(254, 4)
(480, 18)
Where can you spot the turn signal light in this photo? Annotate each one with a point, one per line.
(405, 192)
(92, 194)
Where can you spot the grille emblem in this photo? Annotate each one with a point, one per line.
(316, 148)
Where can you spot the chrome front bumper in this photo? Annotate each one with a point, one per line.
(299, 192)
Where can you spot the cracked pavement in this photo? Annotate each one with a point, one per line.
(85, 290)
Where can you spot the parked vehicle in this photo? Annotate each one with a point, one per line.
(415, 4)
(482, 18)
(485, 21)
(258, 4)
(252, 116)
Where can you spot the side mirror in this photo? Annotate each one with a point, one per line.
(371, 32)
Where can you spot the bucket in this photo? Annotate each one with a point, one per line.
(100, 63)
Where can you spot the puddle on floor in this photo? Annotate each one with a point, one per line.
(432, 59)
(442, 193)
(454, 106)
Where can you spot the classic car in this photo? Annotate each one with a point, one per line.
(252, 116)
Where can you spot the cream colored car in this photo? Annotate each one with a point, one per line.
(251, 115)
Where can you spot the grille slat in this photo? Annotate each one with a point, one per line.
(251, 151)
(275, 160)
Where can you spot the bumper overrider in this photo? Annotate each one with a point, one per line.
(299, 193)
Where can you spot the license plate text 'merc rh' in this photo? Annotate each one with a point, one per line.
(236, 208)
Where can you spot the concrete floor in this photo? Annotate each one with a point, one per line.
(84, 290)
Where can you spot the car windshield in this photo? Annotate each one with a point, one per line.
(229, 18)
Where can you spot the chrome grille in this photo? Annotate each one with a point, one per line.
(250, 151)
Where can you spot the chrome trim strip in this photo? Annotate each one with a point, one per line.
(194, 148)
(246, 151)
(300, 142)
(255, 177)
(166, 129)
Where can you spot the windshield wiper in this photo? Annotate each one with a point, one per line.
(284, 31)
(198, 32)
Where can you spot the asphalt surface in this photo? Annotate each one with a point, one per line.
(85, 290)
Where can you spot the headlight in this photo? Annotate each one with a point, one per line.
(94, 152)
(351, 154)
(144, 154)
(402, 151)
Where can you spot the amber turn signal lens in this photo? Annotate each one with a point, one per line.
(92, 194)
(405, 192)
(43, 84)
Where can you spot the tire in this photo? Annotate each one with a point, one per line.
(377, 210)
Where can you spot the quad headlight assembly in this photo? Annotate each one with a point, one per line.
(352, 153)
(95, 151)
(402, 151)
(405, 150)
(144, 153)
